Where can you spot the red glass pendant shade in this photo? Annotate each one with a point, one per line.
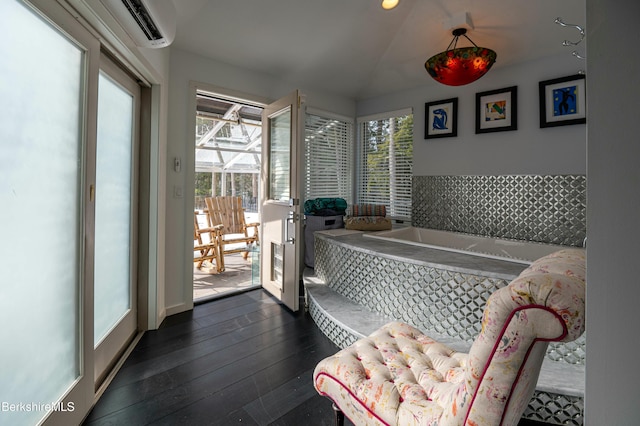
(464, 65)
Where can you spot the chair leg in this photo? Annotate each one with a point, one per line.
(339, 415)
(220, 256)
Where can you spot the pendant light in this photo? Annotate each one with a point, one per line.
(462, 65)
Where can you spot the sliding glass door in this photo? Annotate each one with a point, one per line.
(43, 88)
(115, 189)
(68, 209)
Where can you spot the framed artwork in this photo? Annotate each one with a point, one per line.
(563, 101)
(497, 110)
(441, 119)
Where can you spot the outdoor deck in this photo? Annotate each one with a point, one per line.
(239, 275)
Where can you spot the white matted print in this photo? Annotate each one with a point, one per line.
(441, 118)
(563, 101)
(497, 110)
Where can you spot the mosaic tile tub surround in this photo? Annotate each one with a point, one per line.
(437, 298)
(547, 209)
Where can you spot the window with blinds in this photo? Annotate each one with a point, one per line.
(328, 157)
(385, 166)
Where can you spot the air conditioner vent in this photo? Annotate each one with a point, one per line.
(149, 23)
(141, 15)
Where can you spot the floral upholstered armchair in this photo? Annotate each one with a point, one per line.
(399, 376)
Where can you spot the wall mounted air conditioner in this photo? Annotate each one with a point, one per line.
(149, 23)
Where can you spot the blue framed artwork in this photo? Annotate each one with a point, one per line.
(441, 119)
(563, 101)
(497, 110)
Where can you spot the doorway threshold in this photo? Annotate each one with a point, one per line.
(218, 296)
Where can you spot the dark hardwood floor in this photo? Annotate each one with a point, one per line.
(244, 360)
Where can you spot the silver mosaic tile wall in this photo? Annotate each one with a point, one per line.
(555, 409)
(548, 209)
(446, 302)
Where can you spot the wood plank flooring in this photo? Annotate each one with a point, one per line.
(242, 360)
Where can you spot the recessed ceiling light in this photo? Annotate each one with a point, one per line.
(389, 4)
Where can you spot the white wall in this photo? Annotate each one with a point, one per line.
(613, 229)
(528, 150)
(186, 68)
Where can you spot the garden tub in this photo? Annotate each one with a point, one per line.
(525, 252)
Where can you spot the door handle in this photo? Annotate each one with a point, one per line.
(290, 235)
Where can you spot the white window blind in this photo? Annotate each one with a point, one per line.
(385, 166)
(328, 157)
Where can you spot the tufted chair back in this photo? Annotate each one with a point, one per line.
(544, 304)
(399, 376)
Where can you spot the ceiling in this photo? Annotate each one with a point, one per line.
(355, 48)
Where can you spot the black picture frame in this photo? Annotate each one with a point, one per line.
(497, 110)
(441, 119)
(563, 101)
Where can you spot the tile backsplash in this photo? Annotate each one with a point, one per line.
(548, 209)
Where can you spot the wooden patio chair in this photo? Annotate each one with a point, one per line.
(207, 243)
(228, 212)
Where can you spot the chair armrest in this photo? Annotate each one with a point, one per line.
(216, 228)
